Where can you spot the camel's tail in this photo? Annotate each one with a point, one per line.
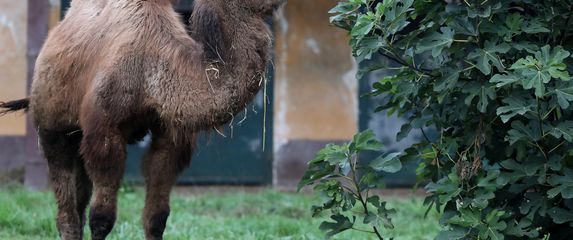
(13, 106)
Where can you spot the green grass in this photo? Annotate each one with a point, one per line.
(232, 214)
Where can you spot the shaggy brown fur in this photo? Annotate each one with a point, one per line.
(113, 70)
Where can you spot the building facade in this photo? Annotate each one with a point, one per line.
(311, 100)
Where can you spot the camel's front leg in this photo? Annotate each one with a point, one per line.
(104, 151)
(161, 167)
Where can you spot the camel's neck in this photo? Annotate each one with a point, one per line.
(237, 70)
(228, 39)
(235, 56)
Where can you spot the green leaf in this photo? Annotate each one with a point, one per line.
(534, 204)
(447, 188)
(494, 232)
(395, 15)
(535, 80)
(464, 26)
(564, 96)
(436, 42)
(430, 153)
(452, 234)
(488, 56)
(467, 218)
(525, 63)
(563, 130)
(341, 223)
(531, 76)
(562, 185)
(514, 22)
(315, 173)
(447, 81)
(501, 80)
(522, 132)
(482, 198)
(389, 163)
(486, 94)
(555, 163)
(404, 132)
(494, 226)
(514, 106)
(489, 181)
(332, 153)
(365, 141)
(523, 169)
(342, 12)
(367, 45)
(482, 12)
(538, 71)
(380, 217)
(344, 7)
(552, 61)
(373, 180)
(363, 26)
(560, 215)
(524, 45)
(535, 26)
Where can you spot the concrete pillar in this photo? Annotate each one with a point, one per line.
(13, 39)
(38, 25)
(316, 98)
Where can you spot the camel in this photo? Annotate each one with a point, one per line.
(114, 70)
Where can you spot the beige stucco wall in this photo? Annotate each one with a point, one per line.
(13, 45)
(315, 86)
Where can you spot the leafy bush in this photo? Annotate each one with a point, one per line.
(345, 185)
(492, 80)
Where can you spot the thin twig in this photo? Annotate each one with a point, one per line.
(244, 118)
(556, 147)
(265, 113)
(359, 195)
(362, 230)
(425, 136)
(209, 79)
(540, 122)
(219, 132)
(402, 62)
(231, 124)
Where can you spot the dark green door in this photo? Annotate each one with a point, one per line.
(235, 159)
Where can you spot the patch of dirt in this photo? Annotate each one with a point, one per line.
(12, 177)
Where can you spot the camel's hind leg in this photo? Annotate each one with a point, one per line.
(61, 151)
(104, 151)
(83, 192)
(161, 167)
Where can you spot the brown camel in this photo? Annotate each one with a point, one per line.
(113, 70)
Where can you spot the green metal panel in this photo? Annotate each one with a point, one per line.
(385, 128)
(239, 159)
(65, 6)
(236, 159)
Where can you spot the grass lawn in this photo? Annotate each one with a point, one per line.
(232, 214)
